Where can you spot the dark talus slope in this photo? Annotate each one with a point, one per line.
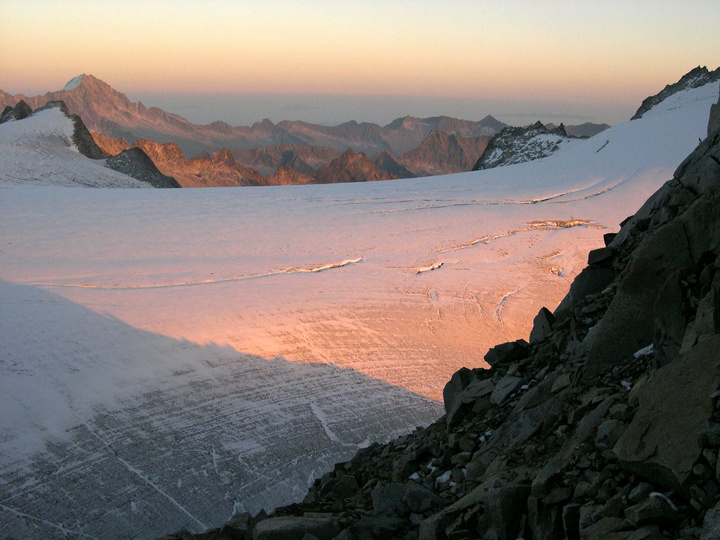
(605, 425)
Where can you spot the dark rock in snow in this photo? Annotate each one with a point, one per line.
(136, 163)
(18, 112)
(696, 77)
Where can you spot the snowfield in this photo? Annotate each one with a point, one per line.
(167, 356)
(38, 151)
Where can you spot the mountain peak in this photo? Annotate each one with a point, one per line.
(73, 83)
(87, 82)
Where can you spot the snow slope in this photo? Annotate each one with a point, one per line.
(38, 151)
(169, 354)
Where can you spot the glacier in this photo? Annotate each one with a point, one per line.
(168, 357)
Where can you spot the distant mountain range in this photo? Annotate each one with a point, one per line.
(265, 153)
(105, 110)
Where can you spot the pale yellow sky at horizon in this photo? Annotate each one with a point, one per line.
(555, 50)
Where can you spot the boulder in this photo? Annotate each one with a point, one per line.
(506, 353)
(415, 497)
(504, 388)
(503, 508)
(627, 325)
(651, 510)
(601, 257)
(454, 387)
(542, 325)
(711, 524)
(373, 528)
(662, 443)
(589, 281)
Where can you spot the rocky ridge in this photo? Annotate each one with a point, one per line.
(694, 78)
(350, 167)
(441, 153)
(520, 144)
(605, 423)
(105, 110)
(130, 161)
(136, 163)
(586, 130)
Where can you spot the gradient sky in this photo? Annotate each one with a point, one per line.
(601, 56)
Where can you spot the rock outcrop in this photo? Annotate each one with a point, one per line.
(350, 167)
(216, 169)
(441, 153)
(714, 122)
(696, 77)
(520, 144)
(605, 425)
(136, 163)
(18, 112)
(388, 163)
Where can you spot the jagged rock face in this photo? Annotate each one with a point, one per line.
(218, 169)
(267, 161)
(697, 77)
(18, 112)
(518, 145)
(350, 167)
(554, 441)
(387, 163)
(108, 146)
(286, 176)
(405, 134)
(441, 153)
(136, 163)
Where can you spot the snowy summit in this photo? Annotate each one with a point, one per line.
(73, 83)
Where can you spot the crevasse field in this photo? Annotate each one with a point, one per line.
(170, 356)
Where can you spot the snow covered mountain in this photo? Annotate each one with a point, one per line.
(51, 147)
(169, 355)
(520, 144)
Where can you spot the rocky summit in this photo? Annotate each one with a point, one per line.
(520, 144)
(604, 424)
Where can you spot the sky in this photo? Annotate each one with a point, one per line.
(329, 60)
